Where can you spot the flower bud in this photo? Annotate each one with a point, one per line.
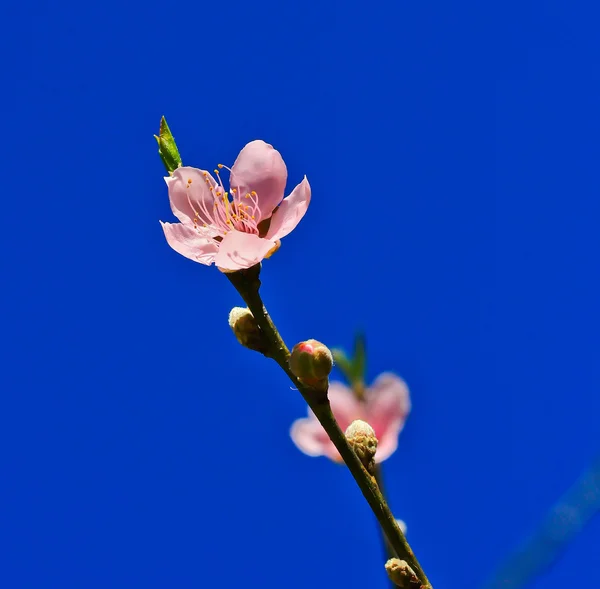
(311, 362)
(246, 330)
(401, 574)
(362, 439)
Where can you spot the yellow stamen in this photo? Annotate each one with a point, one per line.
(226, 203)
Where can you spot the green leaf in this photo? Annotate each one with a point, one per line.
(359, 360)
(167, 148)
(343, 364)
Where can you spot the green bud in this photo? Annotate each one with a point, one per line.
(167, 148)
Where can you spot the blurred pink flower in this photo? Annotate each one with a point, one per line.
(235, 229)
(385, 407)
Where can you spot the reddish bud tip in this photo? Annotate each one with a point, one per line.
(311, 362)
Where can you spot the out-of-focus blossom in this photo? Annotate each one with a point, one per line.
(385, 406)
(234, 229)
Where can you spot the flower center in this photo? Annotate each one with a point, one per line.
(231, 210)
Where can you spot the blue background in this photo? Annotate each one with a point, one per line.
(453, 152)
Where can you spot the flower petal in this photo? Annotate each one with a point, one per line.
(344, 405)
(388, 396)
(261, 168)
(188, 198)
(290, 211)
(242, 250)
(388, 441)
(187, 242)
(309, 436)
(387, 405)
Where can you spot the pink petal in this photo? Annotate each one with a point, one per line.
(344, 405)
(182, 192)
(387, 405)
(309, 436)
(388, 442)
(290, 211)
(187, 242)
(241, 250)
(261, 168)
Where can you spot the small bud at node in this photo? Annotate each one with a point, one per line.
(246, 330)
(361, 436)
(311, 362)
(402, 525)
(401, 574)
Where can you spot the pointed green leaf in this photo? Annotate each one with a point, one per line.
(342, 363)
(167, 148)
(359, 360)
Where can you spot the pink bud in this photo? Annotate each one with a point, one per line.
(311, 362)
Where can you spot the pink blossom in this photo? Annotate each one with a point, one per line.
(385, 407)
(238, 228)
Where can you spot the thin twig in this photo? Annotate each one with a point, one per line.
(388, 550)
(247, 283)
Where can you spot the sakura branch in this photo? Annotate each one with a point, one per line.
(236, 228)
